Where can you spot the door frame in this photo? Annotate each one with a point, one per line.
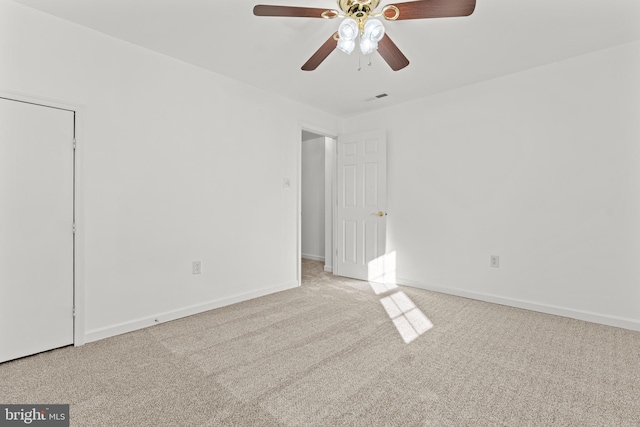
(329, 134)
(78, 204)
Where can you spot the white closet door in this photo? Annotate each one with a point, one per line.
(36, 236)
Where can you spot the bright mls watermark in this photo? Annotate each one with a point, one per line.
(34, 415)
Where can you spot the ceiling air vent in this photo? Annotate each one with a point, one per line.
(382, 95)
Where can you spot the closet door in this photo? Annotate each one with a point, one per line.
(36, 228)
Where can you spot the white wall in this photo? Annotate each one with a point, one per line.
(178, 164)
(313, 195)
(541, 168)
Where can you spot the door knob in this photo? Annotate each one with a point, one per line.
(379, 213)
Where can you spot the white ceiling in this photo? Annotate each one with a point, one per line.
(501, 37)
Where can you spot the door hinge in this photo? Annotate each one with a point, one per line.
(73, 312)
(74, 143)
(73, 228)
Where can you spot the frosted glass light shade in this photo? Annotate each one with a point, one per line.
(373, 30)
(348, 29)
(367, 46)
(347, 46)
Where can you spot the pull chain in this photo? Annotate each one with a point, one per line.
(359, 54)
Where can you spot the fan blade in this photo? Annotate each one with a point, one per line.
(322, 53)
(390, 53)
(430, 9)
(291, 11)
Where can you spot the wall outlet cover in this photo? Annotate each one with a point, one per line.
(197, 267)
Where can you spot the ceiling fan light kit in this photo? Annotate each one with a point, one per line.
(359, 22)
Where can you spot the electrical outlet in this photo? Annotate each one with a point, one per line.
(197, 267)
(495, 261)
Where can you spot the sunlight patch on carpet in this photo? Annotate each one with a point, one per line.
(409, 320)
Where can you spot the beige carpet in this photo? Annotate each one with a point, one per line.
(329, 354)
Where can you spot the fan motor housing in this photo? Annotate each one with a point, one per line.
(358, 8)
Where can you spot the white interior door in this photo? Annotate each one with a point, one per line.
(36, 236)
(362, 200)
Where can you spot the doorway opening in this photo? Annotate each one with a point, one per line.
(316, 190)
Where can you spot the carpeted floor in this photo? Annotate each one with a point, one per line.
(335, 353)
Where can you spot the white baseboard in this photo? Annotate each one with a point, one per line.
(313, 257)
(328, 268)
(603, 319)
(133, 325)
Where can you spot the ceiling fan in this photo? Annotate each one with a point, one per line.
(360, 23)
